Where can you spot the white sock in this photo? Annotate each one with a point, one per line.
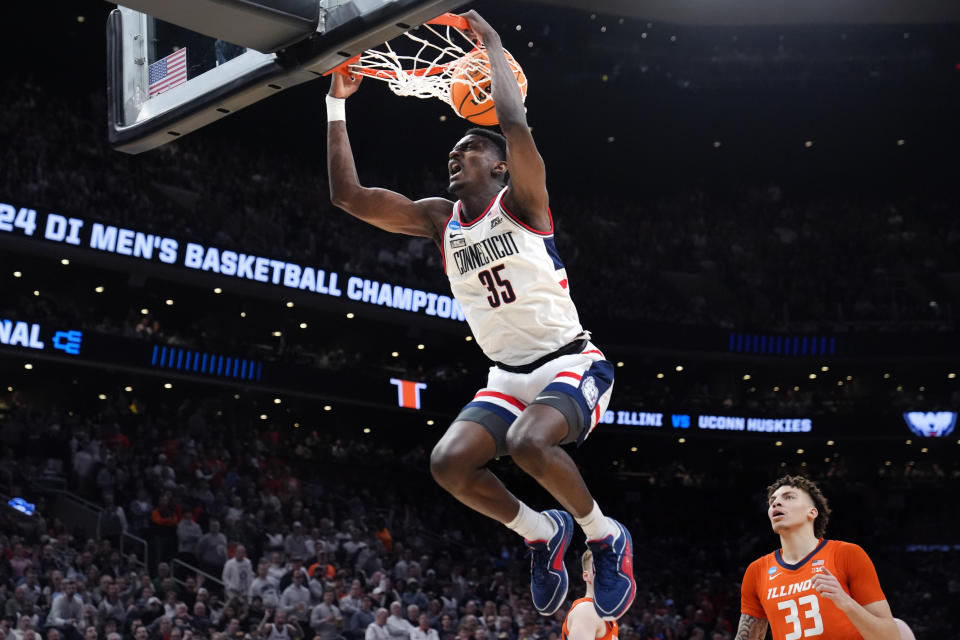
(532, 525)
(596, 525)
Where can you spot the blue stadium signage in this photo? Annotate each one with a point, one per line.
(931, 424)
(30, 335)
(105, 238)
(707, 422)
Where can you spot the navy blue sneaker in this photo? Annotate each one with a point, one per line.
(548, 576)
(613, 585)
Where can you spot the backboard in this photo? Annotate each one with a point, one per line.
(174, 66)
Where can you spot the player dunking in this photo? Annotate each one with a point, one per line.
(582, 621)
(812, 586)
(549, 384)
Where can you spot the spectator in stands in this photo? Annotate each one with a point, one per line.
(280, 628)
(295, 599)
(356, 625)
(412, 595)
(326, 619)
(423, 631)
(295, 544)
(351, 601)
(377, 630)
(211, 549)
(111, 607)
(66, 611)
(398, 626)
(237, 574)
(264, 587)
(188, 534)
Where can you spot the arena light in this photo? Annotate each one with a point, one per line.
(289, 304)
(681, 440)
(277, 401)
(217, 290)
(800, 451)
(468, 338)
(746, 376)
(395, 354)
(824, 368)
(421, 347)
(829, 443)
(128, 389)
(327, 407)
(102, 396)
(36, 292)
(167, 385)
(350, 316)
(64, 261)
(951, 376)
(620, 364)
(812, 376)
(429, 423)
(303, 325)
(144, 311)
(778, 443)
(263, 416)
(243, 314)
(277, 334)
(168, 302)
(28, 366)
(98, 289)
(17, 274)
(659, 376)
(633, 449)
(679, 367)
(366, 429)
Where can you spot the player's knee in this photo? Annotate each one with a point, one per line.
(446, 467)
(526, 446)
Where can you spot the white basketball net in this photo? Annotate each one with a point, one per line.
(427, 72)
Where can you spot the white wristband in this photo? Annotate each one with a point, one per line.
(336, 109)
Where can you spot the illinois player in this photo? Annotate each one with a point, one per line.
(582, 622)
(812, 586)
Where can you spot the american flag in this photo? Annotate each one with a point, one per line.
(168, 73)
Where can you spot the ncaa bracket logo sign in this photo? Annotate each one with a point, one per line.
(931, 424)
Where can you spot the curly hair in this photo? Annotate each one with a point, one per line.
(809, 487)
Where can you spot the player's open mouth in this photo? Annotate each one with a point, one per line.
(777, 514)
(454, 168)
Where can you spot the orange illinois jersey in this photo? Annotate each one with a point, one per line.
(784, 594)
(612, 627)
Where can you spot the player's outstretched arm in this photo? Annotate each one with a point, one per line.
(751, 628)
(382, 208)
(527, 195)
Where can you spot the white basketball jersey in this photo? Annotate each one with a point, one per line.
(511, 285)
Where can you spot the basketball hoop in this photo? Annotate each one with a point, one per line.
(425, 64)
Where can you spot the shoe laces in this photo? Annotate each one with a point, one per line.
(605, 567)
(539, 565)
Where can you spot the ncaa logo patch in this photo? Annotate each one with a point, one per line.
(454, 225)
(588, 387)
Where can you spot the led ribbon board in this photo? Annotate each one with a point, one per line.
(193, 256)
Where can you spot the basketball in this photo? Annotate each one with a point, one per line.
(470, 93)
